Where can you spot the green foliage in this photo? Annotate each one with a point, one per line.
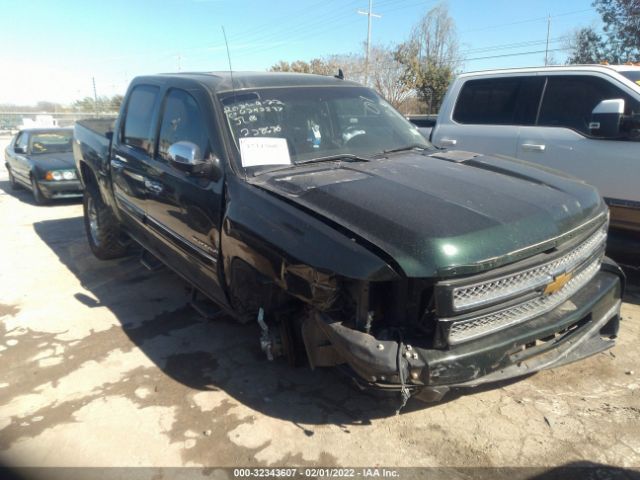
(620, 42)
(317, 66)
(429, 79)
(104, 104)
(587, 47)
(621, 20)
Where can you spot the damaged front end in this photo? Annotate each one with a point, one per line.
(425, 338)
(405, 309)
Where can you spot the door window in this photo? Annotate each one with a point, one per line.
(570, 99)
(182, 121)
(499, 101)
(137, 131)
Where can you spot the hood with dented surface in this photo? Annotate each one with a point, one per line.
(439, 217)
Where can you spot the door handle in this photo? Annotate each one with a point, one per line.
(153, 187)
(120, 158)
(117, 164)
(448, 141)
(533, 147)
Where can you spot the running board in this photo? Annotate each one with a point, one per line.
(150, 262)
(204, 307)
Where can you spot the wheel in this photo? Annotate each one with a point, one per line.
(12, 180)
(102, 227)
(39, 198)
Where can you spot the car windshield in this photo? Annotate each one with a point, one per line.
(51, 142)
(633, 75)
(284, 126)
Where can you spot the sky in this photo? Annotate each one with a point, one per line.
(53, 50)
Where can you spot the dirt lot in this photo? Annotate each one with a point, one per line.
(103, 363)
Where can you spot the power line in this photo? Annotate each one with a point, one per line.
(312, 22)
(507, 46)
(397, 6)
(334, 26)
(520, 22)
(293, 13)
(515, 54)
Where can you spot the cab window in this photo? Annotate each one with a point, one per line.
(137, 131)
(499, 101)
(182, 121)
(570, 99)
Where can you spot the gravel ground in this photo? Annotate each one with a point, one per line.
(104, 364)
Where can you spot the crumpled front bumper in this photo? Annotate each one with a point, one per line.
(585, 324)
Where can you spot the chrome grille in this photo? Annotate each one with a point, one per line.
(464, 330)
(495, 290)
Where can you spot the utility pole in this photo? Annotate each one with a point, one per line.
(179, 66)
(369, 14)
(95, 95)
(546, 51)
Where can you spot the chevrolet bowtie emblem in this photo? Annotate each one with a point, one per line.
(558, 282)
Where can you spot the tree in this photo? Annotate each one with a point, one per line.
(436, 39)
(48, 106)
(116, 102)
(103, 104)
(586, 47)
(621, 20)
(430, 56)
(386, 74)
(316, 66)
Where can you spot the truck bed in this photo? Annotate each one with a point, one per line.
(92, 141)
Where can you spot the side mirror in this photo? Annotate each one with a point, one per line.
(19, 149)
(606, 118)
(187, 157)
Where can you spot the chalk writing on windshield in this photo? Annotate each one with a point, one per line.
(253, 118)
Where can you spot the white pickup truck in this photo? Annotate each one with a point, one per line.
(580, 119)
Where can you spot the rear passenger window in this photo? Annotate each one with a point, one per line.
(488, 102)
(137, 123)
(182, 122)
(499, 101)
(569, 101)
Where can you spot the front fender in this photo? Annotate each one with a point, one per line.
(296, 250)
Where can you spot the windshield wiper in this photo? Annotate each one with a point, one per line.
(349, 157)
(404, 149)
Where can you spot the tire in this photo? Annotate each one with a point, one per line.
(12, 180)
(102, 227)
(38, 197)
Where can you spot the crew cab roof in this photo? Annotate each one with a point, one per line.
(553, 68)
(224, 81)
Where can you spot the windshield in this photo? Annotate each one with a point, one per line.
(51, 142)
(633, 75)
(281, 126)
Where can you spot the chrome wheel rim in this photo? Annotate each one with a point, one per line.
(93, 220)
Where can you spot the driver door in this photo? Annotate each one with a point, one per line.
(18, 160)
(184, 211)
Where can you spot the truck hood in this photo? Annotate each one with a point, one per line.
(434, 216)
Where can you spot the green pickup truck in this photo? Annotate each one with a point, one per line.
(309, 206)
